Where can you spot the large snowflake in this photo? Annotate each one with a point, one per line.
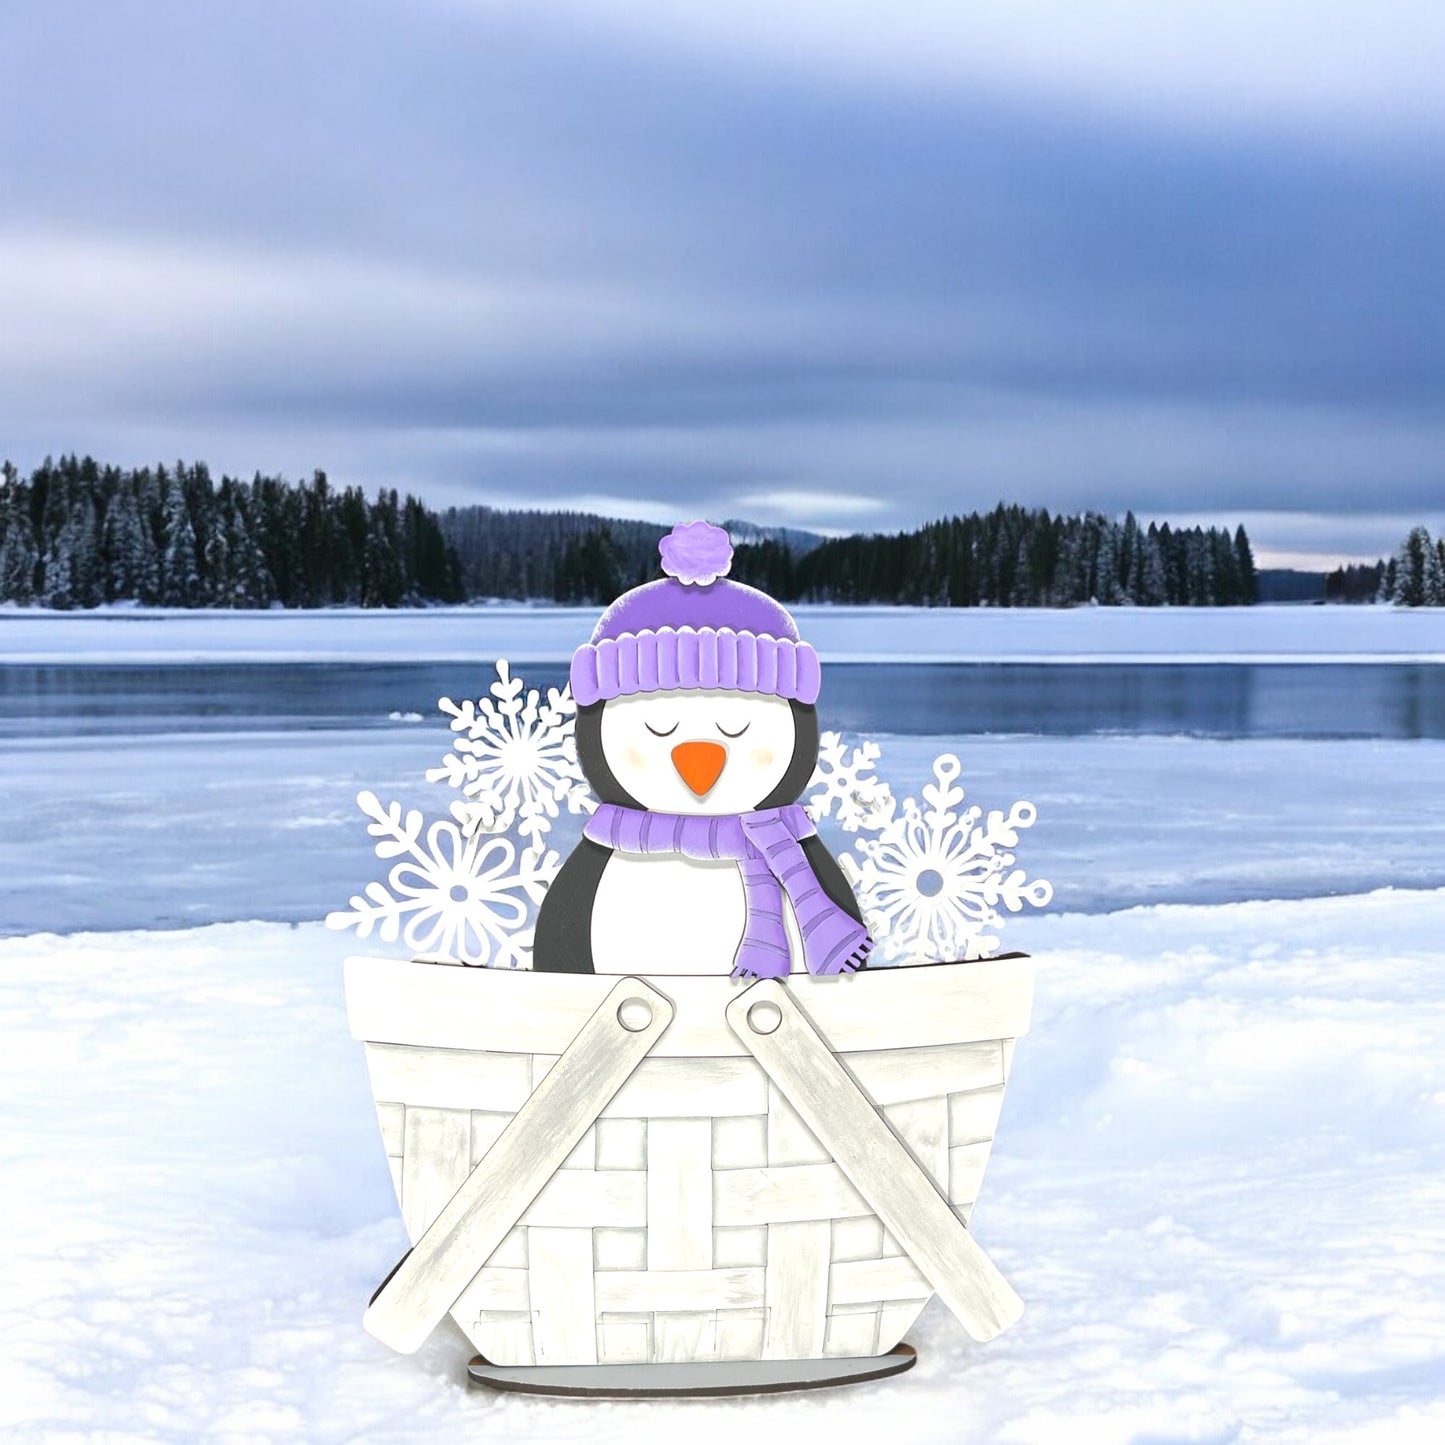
(843, 780)
(516, 762)
(931, 879)
(453, 896)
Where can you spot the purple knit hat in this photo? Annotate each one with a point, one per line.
(695, 628)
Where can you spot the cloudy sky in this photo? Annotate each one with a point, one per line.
(829, 263)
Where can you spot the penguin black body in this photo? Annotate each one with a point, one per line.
(563, 938)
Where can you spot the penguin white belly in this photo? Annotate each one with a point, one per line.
(664, 914)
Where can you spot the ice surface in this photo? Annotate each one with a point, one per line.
(1219, 1186)
(141, 831)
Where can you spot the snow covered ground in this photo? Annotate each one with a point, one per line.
(549, 634)
(1219, 1186)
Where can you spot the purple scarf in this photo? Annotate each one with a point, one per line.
(766, 849)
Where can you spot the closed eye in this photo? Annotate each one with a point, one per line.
(660, 732)
(737, 734)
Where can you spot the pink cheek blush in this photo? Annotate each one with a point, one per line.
(634, 757)
(761, 757)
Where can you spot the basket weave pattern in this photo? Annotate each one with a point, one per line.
(698, 1218)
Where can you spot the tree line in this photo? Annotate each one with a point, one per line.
(1009, 557)
(77, 534)
(1020, 557)
(561, 556)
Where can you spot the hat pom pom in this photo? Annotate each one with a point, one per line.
(696, 553)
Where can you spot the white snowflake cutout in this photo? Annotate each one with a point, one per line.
(517, 761)
(842, 779)
(454, 896)
(932, 879)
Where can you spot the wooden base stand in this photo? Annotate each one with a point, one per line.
(690, 1378)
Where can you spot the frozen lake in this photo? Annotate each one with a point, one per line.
(1199, 699)
(166, 796)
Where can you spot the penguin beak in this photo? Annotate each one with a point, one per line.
(699, 764)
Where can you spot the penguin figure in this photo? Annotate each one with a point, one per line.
(696, 728)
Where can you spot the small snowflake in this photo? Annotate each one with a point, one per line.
(517, 760)
(932, 879)
(841, 778)
(464, 898)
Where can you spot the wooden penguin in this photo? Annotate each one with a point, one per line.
(697, 730)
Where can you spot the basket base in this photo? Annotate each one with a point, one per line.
(690, 1378)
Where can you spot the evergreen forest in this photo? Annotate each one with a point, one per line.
(75, 533)
(1415, 575)
(1009, 557)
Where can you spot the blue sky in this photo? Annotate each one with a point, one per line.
(843, 266)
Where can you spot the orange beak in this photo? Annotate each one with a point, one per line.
(699, 765)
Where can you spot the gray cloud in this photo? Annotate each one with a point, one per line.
(483, 253)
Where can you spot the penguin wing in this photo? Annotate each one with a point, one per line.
(830, 876)
(562, 942)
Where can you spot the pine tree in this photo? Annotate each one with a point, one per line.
(1152, 588)
(125, 542)
(207, 529)
(58, 531)
(1387, 581)
(1130, 562)
(180, 570)
(216, 566)
(1434, 574)
(19, 556)
(1244, 562)
(87, 586)
(251, 584)
(1106, 565)
(1199, 570)
(1412, 583)
(383, 574)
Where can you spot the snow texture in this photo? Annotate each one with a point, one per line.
(1217, 1186)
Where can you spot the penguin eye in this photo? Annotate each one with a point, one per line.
(737, 734)
(660, 732)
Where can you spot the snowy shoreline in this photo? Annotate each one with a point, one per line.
(1216, 1186)
(545, 634)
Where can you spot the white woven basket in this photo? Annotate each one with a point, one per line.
(699, 1218)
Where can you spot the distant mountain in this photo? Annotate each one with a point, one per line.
(749, 534)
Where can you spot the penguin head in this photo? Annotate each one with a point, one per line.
(703, 751)
(695, 693)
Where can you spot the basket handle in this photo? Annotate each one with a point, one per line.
(543, 1132)
(778, 1033)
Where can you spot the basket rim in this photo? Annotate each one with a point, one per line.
(399, 1001)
